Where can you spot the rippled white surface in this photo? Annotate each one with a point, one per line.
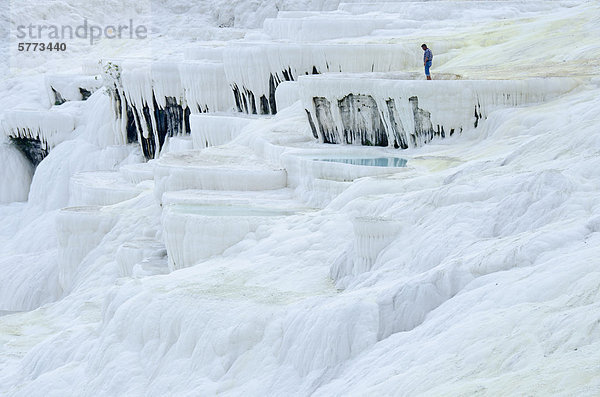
(473, 270)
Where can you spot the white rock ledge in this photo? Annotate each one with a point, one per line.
(100, 188)
(193, 233)
(210, 129)
(79, 230)
(231, 168)
(395, 110)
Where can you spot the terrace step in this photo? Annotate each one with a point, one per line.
(210, 129)
(216, 168)
(100, 188)
(399, 111)
(198, 225)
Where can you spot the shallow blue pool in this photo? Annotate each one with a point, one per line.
(370, 161)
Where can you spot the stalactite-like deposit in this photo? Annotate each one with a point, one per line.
(379, 110)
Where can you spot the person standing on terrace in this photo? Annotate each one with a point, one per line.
(427, 59)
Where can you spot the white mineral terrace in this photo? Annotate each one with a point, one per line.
(79, 231)
(267, 198)
(371, 236)
(137, 173)
(399, 111)
(200, 84)
(209, 129)
(62, 88)
(257, 68)
(201, 224)
(178, 143)
(343, 166)
(141, 257)
(100, 188)
(208, 51)
(206, 86)
(312, 28)
(231, 168)
(50, 127)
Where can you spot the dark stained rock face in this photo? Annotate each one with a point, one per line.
(327, 127)
(362, 121)
(33, 149)
(423, 132)
(358, 119)
(398, 133)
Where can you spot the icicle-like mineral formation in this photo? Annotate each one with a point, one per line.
(383, 111)
(255, 70)
(153, 101)
(36, 132)
(215, 129)
(371, 235)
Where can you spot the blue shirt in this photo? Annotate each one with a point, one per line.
(427, 56)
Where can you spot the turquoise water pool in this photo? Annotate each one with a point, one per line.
(369, 161)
